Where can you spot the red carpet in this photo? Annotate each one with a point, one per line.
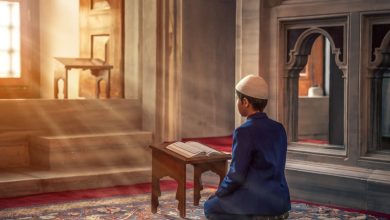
(218, 143)
(46, 198)
(300, 209)
(312, 141)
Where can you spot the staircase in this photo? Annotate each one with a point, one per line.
(60, 145)
(90, 150)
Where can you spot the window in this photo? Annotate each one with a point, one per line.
(313, 85)
(19, 49)
(320, 102)
(313, 101)
(10, 66)
(376, 108)
(386, 111)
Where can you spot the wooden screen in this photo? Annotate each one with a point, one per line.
(101, 30)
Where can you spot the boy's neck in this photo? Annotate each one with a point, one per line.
(252, 112)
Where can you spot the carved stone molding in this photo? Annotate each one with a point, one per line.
(298, 55)
(376, 42)
(382, 54)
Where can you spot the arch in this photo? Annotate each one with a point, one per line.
(382, 54)
(298, 60)
(60, 83)
(299, 54)
(101, 85)
(386, 41)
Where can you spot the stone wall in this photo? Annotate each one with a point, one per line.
(60, 37)
(208, 75)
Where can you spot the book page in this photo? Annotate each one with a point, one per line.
(185, 150)
(208, 150)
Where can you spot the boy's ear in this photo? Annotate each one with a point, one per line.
(245, 102)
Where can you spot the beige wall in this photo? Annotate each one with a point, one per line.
(247, 42)
(208, 76)
(59, 36)
(148, 64)
(132, 41)
(250, 37)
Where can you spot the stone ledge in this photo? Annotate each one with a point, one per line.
(339, 185)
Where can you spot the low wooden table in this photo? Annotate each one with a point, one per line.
(98, 68)
(168, 163)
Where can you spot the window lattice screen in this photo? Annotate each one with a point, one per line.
(10, 64)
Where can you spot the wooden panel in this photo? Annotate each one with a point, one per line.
(315, 65)
(100, 5)
(100, 46)
(101, 36)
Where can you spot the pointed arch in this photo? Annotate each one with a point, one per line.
(298, 58)
(382, 54)
(302, 48)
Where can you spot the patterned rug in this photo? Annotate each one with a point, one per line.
(138, 207)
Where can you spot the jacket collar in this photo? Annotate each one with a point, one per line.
(258, 115)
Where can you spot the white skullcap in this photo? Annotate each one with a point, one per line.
(253, 86)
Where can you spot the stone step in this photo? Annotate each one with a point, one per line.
(88, 150)
(27, 181)
(70, 116)
(339, 185)
(26, 118)
(14, 147)
(14, 154)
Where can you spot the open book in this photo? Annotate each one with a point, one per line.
(192, 149)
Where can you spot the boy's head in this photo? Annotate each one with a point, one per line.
(252, 92)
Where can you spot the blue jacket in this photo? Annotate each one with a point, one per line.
(255, 183)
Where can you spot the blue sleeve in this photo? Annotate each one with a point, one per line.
(241, 158)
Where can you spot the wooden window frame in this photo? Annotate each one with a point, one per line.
(27, 85)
